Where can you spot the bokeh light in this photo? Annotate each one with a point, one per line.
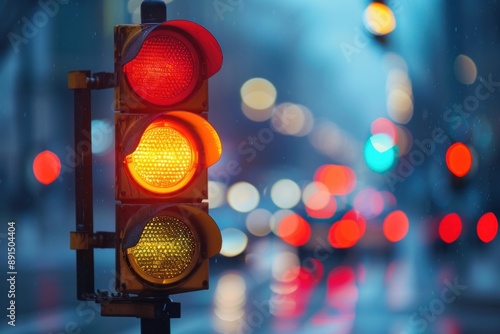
(294, 229)
(380, 153)
(396, 226)
(450, 228)
(384, 126)
(357, 217)
(465, 70)
(459, 159)
(102, 136)
(258, 222)
(277, 217)
(332, 141)
(487, 227)
(234, 242)
(243, 197)
(257, 115)
(229, 302)
(46, 167)
(397, 77)
(342, 292)
(230, 291)
(259, 95)
(344, 233)
(338, 179)
(285, 193)
(369, 202)
(405, 140)
(285, 266)
(292, 119)
(325, 212)
(379, 19)
(316, 196)
(216, 194)
(400, 106)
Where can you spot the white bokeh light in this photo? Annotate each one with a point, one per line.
(243, 197)
(285, 194)
(258, 222)
(234, 242)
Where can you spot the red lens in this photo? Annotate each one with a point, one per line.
(166, 69)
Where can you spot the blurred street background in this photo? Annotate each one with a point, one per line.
(357, 189)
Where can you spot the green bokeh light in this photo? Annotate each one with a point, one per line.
(380, 153)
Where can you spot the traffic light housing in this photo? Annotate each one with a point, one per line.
(164, 145)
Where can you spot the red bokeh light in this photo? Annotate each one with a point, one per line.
(339, 180)
(358, 218)
(46, 167)
(487, 227)
(450, 228)
(459, 159)
(396, 226)
(294, 230)
(344, 234)
(342, 292)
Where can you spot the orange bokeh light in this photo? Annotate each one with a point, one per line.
(487, 227)
(379, 19)
(459, 159)
(450, 228)
(344, 234)
(294, 230)
(46, 167)
(339, 180)
(358, 218)
(396, 226)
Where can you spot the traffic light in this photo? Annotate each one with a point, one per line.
(164, 145)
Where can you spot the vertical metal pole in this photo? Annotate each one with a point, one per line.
(155, 326)
(83, 189)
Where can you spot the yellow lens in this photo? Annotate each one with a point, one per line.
(166, 250)
(165, 159)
